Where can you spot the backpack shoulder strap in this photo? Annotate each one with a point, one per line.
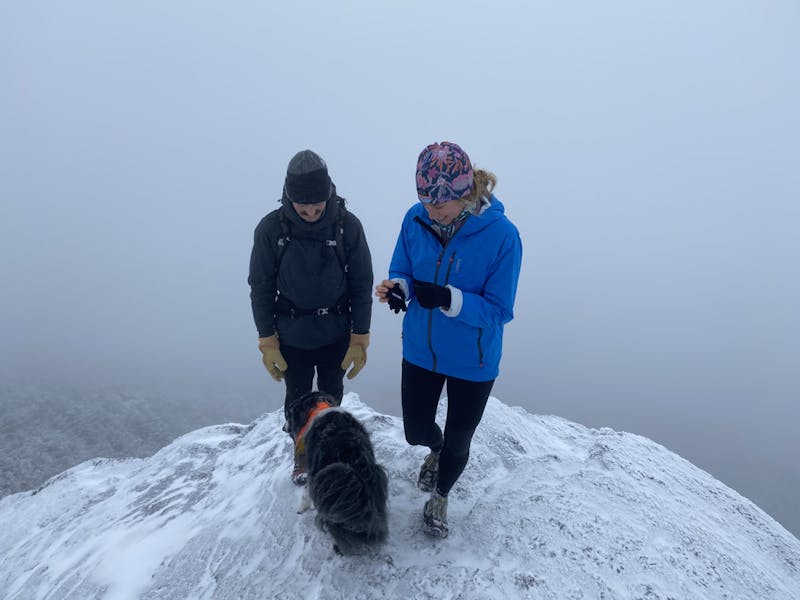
(341, 250)
(284, 239)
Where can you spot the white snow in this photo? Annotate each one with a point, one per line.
(546, 509)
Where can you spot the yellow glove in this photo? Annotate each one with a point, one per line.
(272, 357)
(356, 354)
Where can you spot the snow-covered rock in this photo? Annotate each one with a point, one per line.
(546, 509)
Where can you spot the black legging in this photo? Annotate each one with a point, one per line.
(466, 401)
(302, 364)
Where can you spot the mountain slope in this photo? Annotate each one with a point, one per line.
(45, 430)
(545, 509)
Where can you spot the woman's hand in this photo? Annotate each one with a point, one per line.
(391, 292)
(382, 290)
(430, 295)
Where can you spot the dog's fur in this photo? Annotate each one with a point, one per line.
(346, 485)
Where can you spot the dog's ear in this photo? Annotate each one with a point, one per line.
(292, 418)
(298, 411)
(297, 417)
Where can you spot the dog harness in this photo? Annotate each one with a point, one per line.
(300, 443)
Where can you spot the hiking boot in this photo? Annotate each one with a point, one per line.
(429, 473)
(434, 516)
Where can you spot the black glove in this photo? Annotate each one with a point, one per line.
(431, 295)
(397, 299)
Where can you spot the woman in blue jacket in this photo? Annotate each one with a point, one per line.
(454, 271)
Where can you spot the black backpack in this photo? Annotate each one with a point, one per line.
(337, 240)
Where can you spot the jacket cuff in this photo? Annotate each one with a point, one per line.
(456, 302)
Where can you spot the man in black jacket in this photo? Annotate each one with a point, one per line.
(310, 285)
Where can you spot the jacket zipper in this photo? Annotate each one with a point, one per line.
(430, 313)
(446, 280)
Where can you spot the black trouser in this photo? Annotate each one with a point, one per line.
(327, 361)
(466, 401)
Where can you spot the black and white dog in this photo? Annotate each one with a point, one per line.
(345, 484)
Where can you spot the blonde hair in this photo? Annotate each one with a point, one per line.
(483, 183)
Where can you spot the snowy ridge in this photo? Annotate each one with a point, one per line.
(546, 509)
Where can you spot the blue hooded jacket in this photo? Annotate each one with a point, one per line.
(483, 261)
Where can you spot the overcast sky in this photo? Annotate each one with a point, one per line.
(649, 153)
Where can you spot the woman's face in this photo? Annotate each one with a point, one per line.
(309, 212)
(444, 212)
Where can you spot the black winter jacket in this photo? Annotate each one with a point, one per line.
(310, 276)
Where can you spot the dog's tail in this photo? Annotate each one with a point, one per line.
(351, 505)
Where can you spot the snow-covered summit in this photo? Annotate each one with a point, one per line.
(545, 509)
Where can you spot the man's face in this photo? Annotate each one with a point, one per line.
(310, 213)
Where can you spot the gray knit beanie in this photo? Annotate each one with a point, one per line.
(307, 180)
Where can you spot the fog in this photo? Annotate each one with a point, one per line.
(647, 152)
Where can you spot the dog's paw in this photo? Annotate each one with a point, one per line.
(305, 503)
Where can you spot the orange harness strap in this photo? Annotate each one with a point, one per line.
(321, 406)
